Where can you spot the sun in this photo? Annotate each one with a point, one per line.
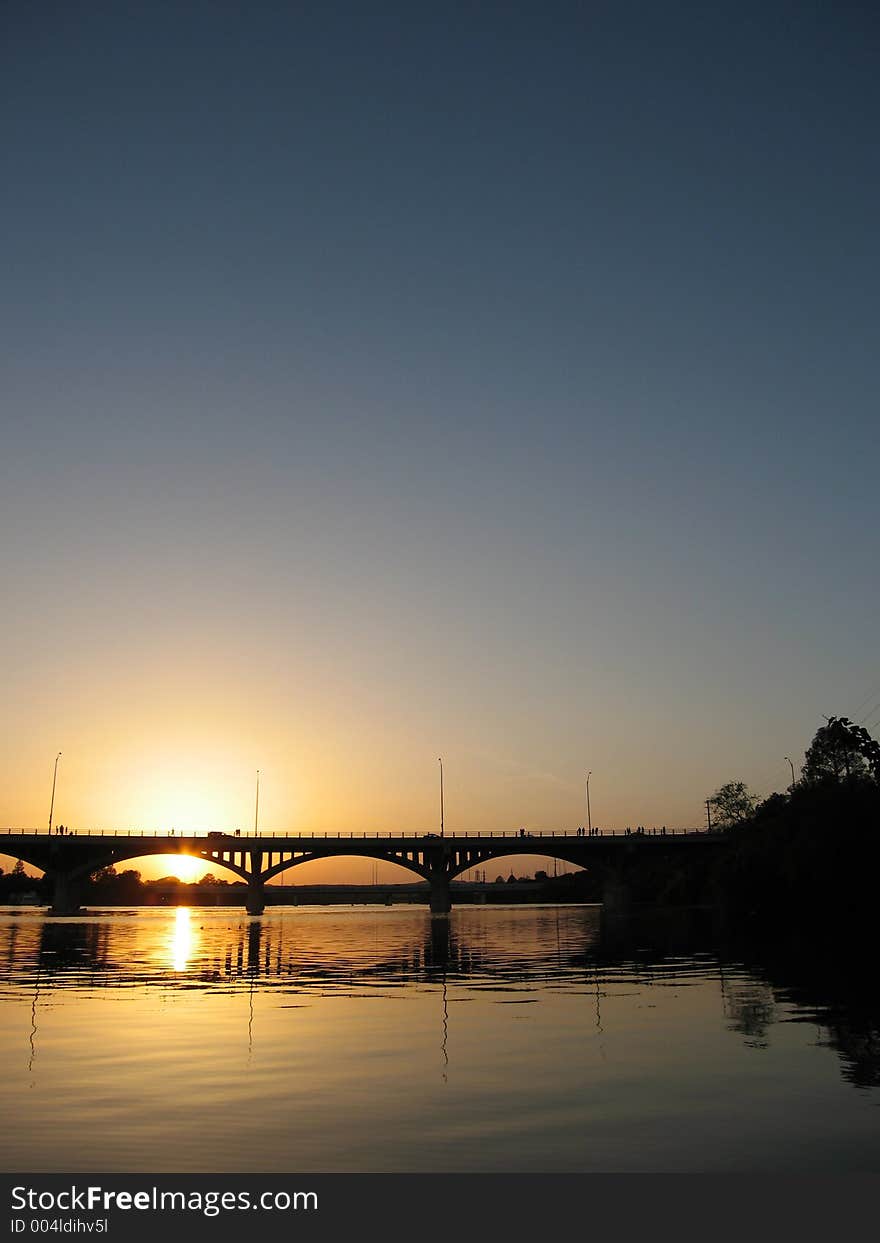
(184, 867)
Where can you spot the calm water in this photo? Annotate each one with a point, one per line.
(368, 1038)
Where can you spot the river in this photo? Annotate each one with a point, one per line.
(379, 1039)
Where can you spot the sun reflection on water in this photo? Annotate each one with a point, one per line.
(181, 939)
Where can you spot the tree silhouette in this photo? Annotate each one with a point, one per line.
(732, 804)
(841, 751)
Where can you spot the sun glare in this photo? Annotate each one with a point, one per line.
(168, 798)
(184, 867)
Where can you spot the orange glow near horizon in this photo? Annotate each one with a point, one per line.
(167, 753)
(325, 767)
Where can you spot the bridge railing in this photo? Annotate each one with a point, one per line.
(234, 835)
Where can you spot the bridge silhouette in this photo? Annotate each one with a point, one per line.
(68, 859)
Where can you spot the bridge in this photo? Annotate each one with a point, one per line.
(69, 859)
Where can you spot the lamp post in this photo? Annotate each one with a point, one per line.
(257, 805)
(589, 816)
(440, 762)
(54, 779)
(791, 766)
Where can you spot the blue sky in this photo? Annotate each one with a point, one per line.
(495, 380)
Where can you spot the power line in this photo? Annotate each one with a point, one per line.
(871, 695)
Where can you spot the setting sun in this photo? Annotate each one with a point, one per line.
(182, 866)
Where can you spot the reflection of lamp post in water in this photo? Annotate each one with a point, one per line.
(54, 779)
(253, 968)
(445, 1029)
(437, 954)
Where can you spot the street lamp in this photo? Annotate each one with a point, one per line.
(54, 779)
(257, 806)
(589, 817)
(440, 762)
(791, 766)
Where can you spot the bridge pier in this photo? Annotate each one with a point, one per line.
(441, 896)
(616, 893)
(65, 894)
(255, 903)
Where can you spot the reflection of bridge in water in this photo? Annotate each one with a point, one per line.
(510, 952)
(68, 860)
(286, 953)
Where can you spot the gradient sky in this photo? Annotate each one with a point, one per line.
(496, 382)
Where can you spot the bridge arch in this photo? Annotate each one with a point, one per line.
(112, 853)
(478, 858)
(114, 857)
(385, 856)
(116, 852)
(25, 857)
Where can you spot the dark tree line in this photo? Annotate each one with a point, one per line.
(811, 854)
(839, 752)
